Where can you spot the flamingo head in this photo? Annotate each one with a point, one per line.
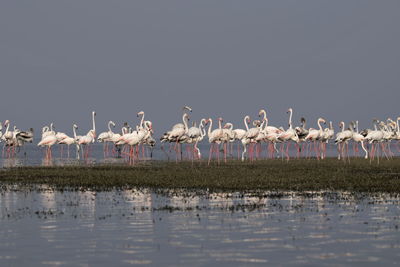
(262, 111)
(289, 110)
(220, 119)
(341, 124)
(140, 113)
(149, 125)
(7, 122)
(187, 108)
(256, 123)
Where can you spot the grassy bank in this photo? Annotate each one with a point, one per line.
(298, 175)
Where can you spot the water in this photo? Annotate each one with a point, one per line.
(191, 229)
(31, 155)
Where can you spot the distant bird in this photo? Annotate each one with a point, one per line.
(48, 141)
(69, 140)
(315, 135)
(341, 140)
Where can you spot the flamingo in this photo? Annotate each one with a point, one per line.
(230, 134)
(48, 141)
(342, 139)
(177, 133)
(239, 134)
(315, 135)
(302, 132)
(272, 138)
(105, 137)
(326, 136)
(196, 134)
(69, 140)
(358, 138)
(46, 131)
(214, 138)
(250, 136)
(135, 138)
(90, 137)
(289, 135)
(7, 138)
(182, 125)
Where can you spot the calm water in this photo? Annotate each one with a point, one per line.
(30, 154)
(148, 228)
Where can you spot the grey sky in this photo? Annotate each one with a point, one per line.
(61, 59)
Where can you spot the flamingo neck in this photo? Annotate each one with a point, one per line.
(290, 119)
(109, 126)
(343, 126)
(262, 127)
(265, 125)
(264, 114)
(319, 125)
(331, 126)
(93, 123)
(8, 126)
(398, 127)
(245, 123)
(74, 131)
(209, 127)
(142, 120)
(184, 118)
(201, 127)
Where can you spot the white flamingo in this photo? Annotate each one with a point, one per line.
(214, 138)
(289, 135)
(48, 141)
(358, 138)
(105, 137)
(315, 135)
(342, 139)
(89, 138)
(69, 140)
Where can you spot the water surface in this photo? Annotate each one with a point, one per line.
(187, 228)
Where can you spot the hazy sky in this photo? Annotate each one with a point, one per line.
(61, 59)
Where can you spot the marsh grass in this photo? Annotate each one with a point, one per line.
(273, 175)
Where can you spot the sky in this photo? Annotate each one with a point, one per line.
(59, 60)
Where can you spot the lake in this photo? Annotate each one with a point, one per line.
(192, 228)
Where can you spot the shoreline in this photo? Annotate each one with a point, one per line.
(267, 175)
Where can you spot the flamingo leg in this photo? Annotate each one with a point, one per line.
(210, 153)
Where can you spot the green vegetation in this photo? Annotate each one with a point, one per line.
(274, 175)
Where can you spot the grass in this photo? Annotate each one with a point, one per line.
(273, 175)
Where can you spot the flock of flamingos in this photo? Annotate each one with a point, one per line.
(130, 143)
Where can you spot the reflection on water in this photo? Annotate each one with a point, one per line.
(32, 155)
(183, 228)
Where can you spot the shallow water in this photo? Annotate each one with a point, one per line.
(31, 155)
(191, 229)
